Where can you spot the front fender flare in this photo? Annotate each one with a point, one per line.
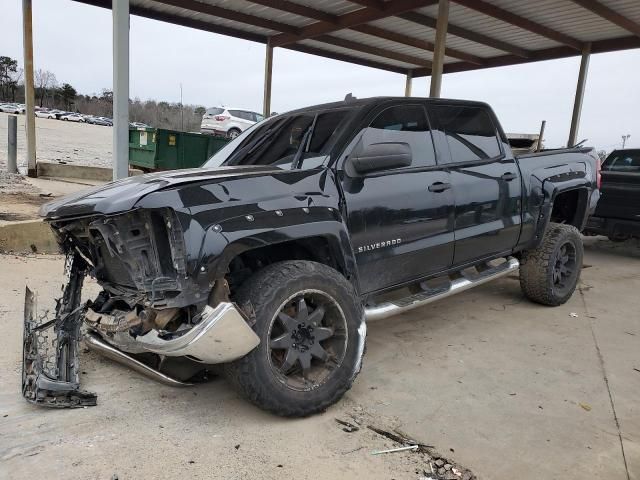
(228, 239)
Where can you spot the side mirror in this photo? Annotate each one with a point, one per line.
(380, 156)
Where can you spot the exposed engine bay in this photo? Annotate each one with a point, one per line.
(150, 311)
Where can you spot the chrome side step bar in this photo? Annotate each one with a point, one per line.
(457, 285)
(95, 343)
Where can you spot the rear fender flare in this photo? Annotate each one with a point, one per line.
(548, 190)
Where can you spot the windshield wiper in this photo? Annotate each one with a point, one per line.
(297, 158)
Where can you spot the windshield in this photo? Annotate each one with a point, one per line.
(276, 141)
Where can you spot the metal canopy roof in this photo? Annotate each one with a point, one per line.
(399, 35)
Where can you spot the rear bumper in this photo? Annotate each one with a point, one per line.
(612, 226)
(213, 131)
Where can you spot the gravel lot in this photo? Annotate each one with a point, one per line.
(77, 143)
(509, 389)
(57, 141)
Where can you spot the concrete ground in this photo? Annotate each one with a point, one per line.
(509, 389)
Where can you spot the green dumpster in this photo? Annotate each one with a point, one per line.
(159, 149)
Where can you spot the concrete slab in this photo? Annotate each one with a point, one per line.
(29, 236)
(507, 388)
(81, 172)
(21, 229)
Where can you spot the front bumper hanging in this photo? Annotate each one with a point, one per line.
(50, 351)
(50, 374)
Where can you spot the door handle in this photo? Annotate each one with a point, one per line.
(509, 176)
(439, 187)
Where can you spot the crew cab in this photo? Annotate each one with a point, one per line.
(271, 258)
(617, 214)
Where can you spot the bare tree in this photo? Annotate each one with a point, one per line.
(45, 82)
(8, 67)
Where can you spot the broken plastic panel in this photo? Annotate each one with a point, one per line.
(50, 374)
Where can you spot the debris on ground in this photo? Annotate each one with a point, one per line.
(586, 406)
(347, 426)
(12, 181)
(431, 464)
(393, 450)
(573, 314)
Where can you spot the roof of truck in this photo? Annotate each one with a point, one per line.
(369, 101)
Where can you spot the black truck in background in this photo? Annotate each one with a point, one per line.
(617, 214)
(272, 257)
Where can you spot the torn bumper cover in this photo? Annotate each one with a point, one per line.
(50, 348)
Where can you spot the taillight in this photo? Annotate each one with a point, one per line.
(598, 173)
(221, 118)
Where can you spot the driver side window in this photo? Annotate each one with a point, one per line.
(407, 124)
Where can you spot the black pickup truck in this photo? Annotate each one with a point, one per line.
(270, 259)
(617, 214)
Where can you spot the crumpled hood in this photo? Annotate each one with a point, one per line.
(122, 195)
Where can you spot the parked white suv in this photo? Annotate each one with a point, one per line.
(227, 121)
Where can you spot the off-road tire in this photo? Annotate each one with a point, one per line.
(537, 265)
(260, 298)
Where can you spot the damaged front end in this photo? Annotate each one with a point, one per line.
(155, 310)
(50, 349)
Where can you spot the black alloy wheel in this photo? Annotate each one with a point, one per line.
(564, 270)
(307, 340)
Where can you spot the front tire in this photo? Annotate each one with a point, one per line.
(311, 327)
(233, 133)
(550, 273)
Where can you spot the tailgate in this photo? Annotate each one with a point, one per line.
(619, 195)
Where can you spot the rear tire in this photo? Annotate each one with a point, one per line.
(233, 133)
(311, 327)
(550, 273)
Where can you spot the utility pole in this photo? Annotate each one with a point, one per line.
(624, 139)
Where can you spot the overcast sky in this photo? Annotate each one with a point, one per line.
(74, 41)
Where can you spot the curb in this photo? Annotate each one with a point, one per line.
(81, 172)
(30, 236)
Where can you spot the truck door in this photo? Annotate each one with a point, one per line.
(486, 181)
(400, 218)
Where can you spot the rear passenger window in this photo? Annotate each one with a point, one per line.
(240, 114)
(408, 124)
(470, 132)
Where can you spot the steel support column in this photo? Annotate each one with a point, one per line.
(29, 90)
(407, 85)
(438, 52)
(268, 74)
(120, 10)
(577, 103)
